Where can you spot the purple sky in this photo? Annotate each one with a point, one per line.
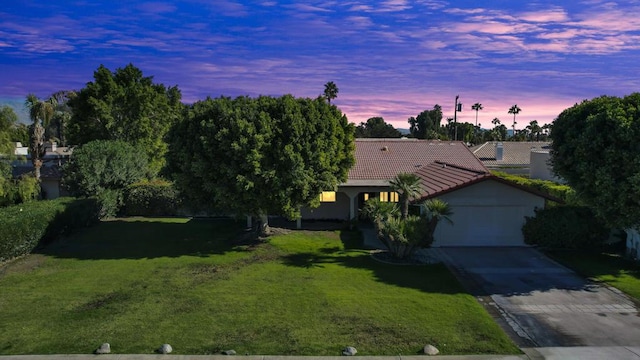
(390, 58)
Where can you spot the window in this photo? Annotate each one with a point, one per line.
(328, 196)
(366, 196)
(389, 196)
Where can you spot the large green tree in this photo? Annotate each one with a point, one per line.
(376, 127)
(595, 148)
(125, 105)
(427, 124)
(259, 156)
(8, 121)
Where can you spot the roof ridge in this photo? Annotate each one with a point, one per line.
(459, 167)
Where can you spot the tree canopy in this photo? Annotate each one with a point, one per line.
(125, 105)
(376, 127)
(258, 156)
(101, 165)
(427, 124)
(595, 149)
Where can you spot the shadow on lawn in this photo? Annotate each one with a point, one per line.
(120, 239)
(427, 278)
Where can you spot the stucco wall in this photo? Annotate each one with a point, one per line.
(338, 210)
(541, 168)
(489, 213)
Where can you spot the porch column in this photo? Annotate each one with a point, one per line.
(352, 205)
(299, 223)
(249, 222)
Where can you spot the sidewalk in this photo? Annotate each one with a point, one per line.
(555, 353)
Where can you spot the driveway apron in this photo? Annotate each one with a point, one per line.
(544, 302)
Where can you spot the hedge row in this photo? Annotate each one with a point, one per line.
(152, 198)
(567, 227)
(560, 191)
(23, 227)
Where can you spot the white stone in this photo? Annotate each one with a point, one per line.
(349, 351)
(430, 350)
(165, 349)
(103, 349)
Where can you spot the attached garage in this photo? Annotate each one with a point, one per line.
(487, 213)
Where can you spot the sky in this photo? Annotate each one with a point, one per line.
(390, 58)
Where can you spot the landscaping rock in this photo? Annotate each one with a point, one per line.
(165, 349)
(349, 351)
(103, 349)
(229, 352)
(430, 350)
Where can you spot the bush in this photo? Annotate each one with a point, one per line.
(560, 191)
(156, 198)
(569, 227)
(23, 227)
(110, 203)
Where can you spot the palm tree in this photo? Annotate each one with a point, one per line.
(515, 110)
(534, 130)
(436, 210)
(330, 91)
(407, 186)
(477, 107)
(40, 112)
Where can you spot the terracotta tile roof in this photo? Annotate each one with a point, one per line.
(439, 177)
(383, 159)
(514, 153)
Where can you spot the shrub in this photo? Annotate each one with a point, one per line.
(560, 191)
(23, 227)
(155, 198)
(110, 203)
(569, 227)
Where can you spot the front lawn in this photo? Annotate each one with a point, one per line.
(612, 269)
(139, 283)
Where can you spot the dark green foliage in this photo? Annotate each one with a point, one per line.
(376, 127)
(569, 227)
(103, 164)
(596, 149)
(125, 105)
(23, 227)
(260, 155)
(560, 191)
(110, 202)
(427, 124)
(157, 198)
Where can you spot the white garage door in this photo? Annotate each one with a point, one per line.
(483, 226)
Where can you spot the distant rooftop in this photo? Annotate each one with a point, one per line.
(514, 153)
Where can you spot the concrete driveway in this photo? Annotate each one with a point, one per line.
(544, 303)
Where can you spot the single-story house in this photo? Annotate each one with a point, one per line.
(514, 157)
(487, 211)
(50, 172)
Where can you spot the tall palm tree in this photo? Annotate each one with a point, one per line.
(407, 186)
(477, 107)
(330, 91)
(515, 110)
(40, 112)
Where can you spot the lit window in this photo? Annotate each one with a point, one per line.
(384, 197)
(328, 196)
(393, 197)
(366, 196)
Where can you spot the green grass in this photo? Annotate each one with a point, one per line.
(139, 283)
(610, 268)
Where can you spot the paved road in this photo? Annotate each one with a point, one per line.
(544, 302)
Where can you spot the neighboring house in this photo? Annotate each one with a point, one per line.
(488, 211)
(50, 172)
(633, 243)
(513, 157)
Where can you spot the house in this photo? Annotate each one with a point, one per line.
(487, 211)
(50, 172)
(512, 157)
